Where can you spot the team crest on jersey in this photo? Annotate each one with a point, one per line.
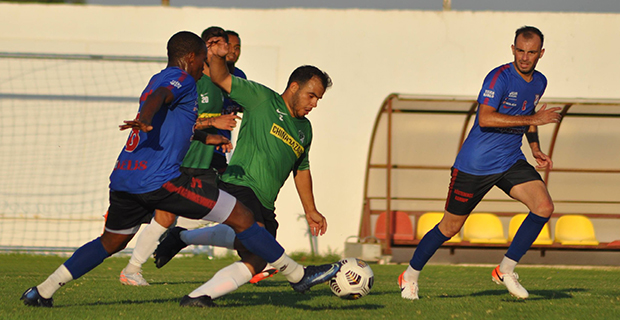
(536, 99)
(524, 105)
(302, 136)
(281, 134)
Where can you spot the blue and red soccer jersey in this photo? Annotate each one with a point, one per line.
(494, 150)
(152, 158)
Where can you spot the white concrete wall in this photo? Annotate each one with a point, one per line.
(368, 53)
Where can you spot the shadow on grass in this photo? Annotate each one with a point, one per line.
(287, 297)
(534, 294)
(167, 283)
(293, 300)
(122, 302)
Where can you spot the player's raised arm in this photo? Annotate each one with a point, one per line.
(153, 103)
(489, 117)
(216, 56)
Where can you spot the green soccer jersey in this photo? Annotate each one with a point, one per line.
(271, 142)
(210, 103)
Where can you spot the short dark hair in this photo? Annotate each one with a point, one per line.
(183, 43)
(528, 32)
(233, 33)
(303, 74)
(212, 32)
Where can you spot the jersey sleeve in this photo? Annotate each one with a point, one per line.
(493, 87)
(180, 84)
(249, 94)
(303, 163)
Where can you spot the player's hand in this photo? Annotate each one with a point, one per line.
(226, 121)
(217, 46)
(135, 124)
(545, 116)
(543, 160)
(220, 142)
(317, 223)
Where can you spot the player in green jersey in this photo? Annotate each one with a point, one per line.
(274, 140)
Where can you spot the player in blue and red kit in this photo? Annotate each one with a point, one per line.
(147, 178)
(491, 156)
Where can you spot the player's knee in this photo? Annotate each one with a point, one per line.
(545, 209)
(164, 219)
(449, 229)
(240, 218)
(114, 243)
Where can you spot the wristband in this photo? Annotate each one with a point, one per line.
(532, 137)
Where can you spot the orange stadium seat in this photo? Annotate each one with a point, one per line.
(401, 226)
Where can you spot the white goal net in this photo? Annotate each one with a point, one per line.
(59, 139)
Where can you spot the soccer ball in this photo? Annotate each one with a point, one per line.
(354, 279)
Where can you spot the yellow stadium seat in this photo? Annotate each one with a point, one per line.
(543, 238)
(575, 230)
(427, 221)
(484, 228)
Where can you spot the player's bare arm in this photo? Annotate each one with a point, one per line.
(220, 142)
(217, 140)
(153, 103)
(542, 160)
(223, 122)
(316, 221)
(216, 55)
(489, 117)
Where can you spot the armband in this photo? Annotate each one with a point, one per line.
(532, 137)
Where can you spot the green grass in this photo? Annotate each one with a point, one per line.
(447, 292)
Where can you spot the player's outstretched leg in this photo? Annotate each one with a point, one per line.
(169, 247)
(314, 275)
(511, 281)
(146, 243)
(260, 242)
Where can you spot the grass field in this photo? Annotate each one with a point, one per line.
(447, 292)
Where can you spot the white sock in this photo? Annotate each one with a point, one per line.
(56, 280)
(411, 275)
(292, 270)
(145, 246)
(507, 265)
(219, 235)
(224, 281)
